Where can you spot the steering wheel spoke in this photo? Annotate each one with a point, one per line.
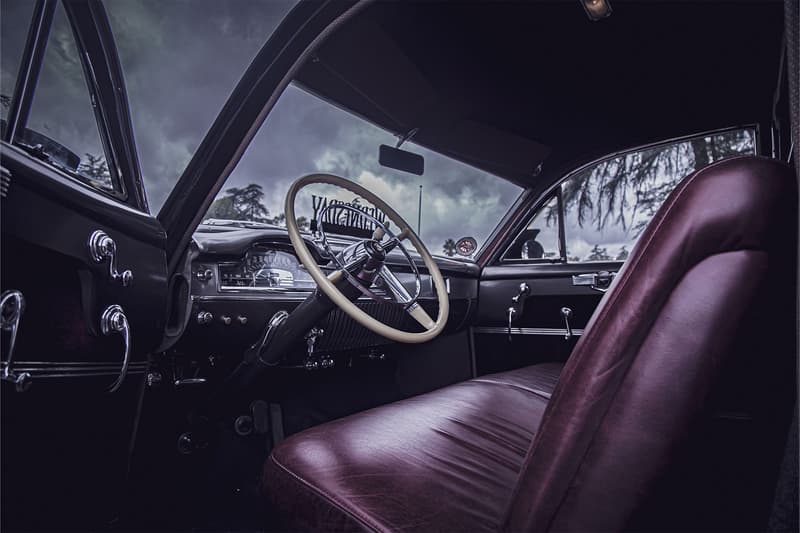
(421, 316)
(395, 286)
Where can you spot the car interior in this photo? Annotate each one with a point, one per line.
(338, 369)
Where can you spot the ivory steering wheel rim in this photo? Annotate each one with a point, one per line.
(326, 283)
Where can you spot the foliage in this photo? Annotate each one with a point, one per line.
(616, 189)
(623, 253)
(449, 248)
(95, 168)
(598, 254)
(245, 203)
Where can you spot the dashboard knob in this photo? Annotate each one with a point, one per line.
(225, 320)
(241, 319)
(204, 317)
(205, 274)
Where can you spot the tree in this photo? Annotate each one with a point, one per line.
(623, 253)
(95, 168)
(223, 208)
(449, 247)
(247, 201)
(598, 254)
(303, 223)
(616, 189)
(241, 203)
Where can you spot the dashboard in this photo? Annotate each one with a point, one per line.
(241, 277)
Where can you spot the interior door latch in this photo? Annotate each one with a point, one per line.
(598, 281)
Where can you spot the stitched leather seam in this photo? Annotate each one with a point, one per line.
(354, 514)
(536, 392)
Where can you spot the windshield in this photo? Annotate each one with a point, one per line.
(304, 134)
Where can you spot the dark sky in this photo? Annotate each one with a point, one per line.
(182, 59)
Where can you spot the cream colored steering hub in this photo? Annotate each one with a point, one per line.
(326, 283)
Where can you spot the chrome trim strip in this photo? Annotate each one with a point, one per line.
(271, 297)
(52, 369)
(500, 330)
(75, 363)
(274, 290)
(252, 297)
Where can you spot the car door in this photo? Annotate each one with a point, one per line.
(84, 272)
(540, 290)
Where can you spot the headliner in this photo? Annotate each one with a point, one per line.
(506, 85)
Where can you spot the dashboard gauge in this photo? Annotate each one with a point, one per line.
(466, 246)
(264, 268)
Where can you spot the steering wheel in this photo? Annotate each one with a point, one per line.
(326, 283)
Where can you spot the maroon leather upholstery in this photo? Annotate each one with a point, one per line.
(446, 460)
(719, 252)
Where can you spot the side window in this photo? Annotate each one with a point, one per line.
(62, 126)
(540, 239)
(608, 205)
(13, 32)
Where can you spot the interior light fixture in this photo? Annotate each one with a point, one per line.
(596, 9)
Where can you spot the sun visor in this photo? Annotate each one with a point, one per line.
(364, 71)
(487, 148)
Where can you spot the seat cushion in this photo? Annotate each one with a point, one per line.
(446, 460)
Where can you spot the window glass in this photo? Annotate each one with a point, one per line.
(609, 204)
(13, 32)
(540, 239)
(62, 124)
(305, 134)
(181, 60)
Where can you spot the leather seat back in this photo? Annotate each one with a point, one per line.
(650, 358)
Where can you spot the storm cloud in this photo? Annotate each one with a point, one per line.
(181, 60)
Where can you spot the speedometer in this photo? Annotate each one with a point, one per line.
(265, 268)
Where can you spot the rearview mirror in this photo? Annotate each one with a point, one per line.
(401, 160)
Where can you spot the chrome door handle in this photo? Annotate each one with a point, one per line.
(102, 247)
(113, 321)
(12, 305)
(598, 281)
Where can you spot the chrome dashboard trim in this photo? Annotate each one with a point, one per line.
(231, 296)
(238, 297)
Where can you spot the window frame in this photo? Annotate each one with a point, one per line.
(555, 190)
(105, 88)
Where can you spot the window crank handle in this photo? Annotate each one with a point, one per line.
(566, 312)
(512, 312)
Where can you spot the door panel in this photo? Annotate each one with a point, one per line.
(66, 440)
(538, 330)
(67, 433)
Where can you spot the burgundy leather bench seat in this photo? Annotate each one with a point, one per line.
(701, 313)
(460, 447)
